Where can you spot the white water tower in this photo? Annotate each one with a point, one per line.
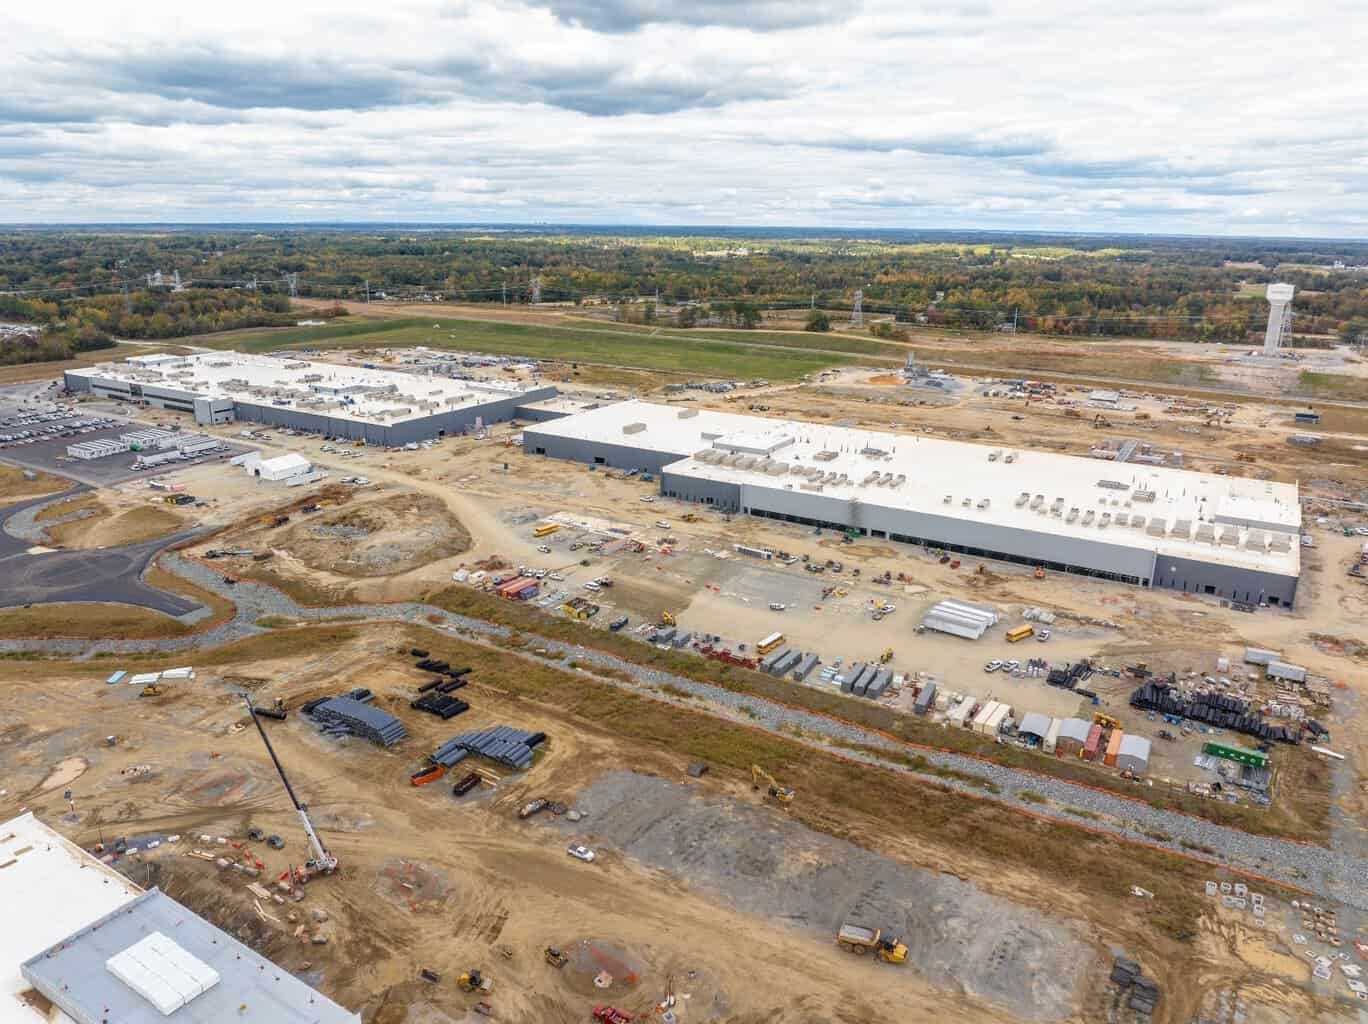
(1279, 317)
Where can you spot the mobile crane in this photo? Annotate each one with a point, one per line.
(320, 862)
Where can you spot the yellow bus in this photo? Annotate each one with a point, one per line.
(770, 643)
(1020, 633)
(545, 528)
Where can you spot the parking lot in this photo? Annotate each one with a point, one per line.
(36, 436)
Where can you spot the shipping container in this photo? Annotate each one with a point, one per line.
(1240, 755)
(994, 724)
(805, 667)
(962, 713)
(1113, 746)
(926, 700)
(1089, 752)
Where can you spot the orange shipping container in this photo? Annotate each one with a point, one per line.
(1089, 752)
(1113, 746)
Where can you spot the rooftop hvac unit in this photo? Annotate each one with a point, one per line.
(687, 414)
(1182, 528)
(1057, 507)
(1105, 521)
(824, 456)
(1138, 522)
(981, 503)
(947, 499)
(1037, 501)
(1142, 495)
(1158, 527)
(1011, 457)
(1206, 533)
(1088, 517)
(1073, 514)
(995, 454)
(633, 428)
(1280, 542)
(1230, 537)
(1022, 498)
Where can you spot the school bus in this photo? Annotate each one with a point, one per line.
(1020, 633)
(545, 528)
(770, 643)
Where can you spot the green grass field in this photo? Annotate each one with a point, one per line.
(775, 356)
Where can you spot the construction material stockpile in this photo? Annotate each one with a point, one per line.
(349, 715)
(434, 695)
(1216, 709)
(501, 743)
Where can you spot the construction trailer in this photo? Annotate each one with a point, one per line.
(980, 721)
(1260, 656)
(1285, 670)
(962, 714)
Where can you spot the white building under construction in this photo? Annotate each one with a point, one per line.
(1145, 525)
(356, 402)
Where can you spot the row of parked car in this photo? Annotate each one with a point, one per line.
(47, 426)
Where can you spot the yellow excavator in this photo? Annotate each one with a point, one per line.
(150, 690)
(886, 656)
(763, 779)
(667, 619)
(1106, 721)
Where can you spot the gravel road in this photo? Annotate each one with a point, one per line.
(1333, 873)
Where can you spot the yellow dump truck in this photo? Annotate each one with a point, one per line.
(859, 940)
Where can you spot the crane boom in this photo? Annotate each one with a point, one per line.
(322, 860)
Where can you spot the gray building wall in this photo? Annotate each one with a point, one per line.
(618, 456)
(719, 494)
(1226, 581)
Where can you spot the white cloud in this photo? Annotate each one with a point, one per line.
(1052, 115)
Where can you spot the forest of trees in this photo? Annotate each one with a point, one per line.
(1191, 288)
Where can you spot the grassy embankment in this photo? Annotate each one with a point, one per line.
(773, 356)
(1305, 817)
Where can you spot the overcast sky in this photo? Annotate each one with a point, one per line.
(1174, 116)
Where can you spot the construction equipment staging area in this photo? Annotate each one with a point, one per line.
(383, 407)
(1148, 526)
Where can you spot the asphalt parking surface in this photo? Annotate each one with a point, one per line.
(112, 575)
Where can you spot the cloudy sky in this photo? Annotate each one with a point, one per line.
(1174, 116)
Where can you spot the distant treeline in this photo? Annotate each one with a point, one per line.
(1194, 288)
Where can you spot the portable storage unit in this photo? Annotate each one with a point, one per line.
(994, 724)
(1113, 748)
(926, 700)
(878, 684)
(1260, 656)
(1051, 739)
(1093, 742)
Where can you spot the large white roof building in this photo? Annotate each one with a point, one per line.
(1152, 526)
(379, 406)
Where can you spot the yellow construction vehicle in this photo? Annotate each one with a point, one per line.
(151, 690)
(667, 619)
(886, 656)
(1106, 721)
(854, 938)
(763, 779)
(474, 981)
(690, 517)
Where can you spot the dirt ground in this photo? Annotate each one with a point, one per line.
(697, 890)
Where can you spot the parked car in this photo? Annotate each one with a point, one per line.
(545, 549)
(618, 623)
(647, 498)
(992, 666)
(581, 853)
(1042, 635)
(662, 524)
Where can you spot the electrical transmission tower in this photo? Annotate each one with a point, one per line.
(857, 311)
(534, 294)
(292, 283)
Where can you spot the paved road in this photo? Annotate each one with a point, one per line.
(10, 545)
(1335, 873)
(105, 574)
(112, 575)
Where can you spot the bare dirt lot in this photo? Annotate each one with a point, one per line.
(378, 538)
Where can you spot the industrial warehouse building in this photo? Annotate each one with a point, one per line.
(382, 407)
(1148, 526)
